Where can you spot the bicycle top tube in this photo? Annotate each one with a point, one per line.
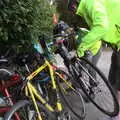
(37, 71)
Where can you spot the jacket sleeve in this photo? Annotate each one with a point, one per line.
(99, 28)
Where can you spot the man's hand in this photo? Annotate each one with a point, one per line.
(80, 53)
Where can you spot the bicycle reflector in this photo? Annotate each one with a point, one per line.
(15, 77)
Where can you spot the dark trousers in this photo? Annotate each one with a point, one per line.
(93, 59)
(114, 73)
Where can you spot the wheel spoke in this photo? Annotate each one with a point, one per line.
(104, 99)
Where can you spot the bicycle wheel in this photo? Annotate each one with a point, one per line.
(94, 83)
(70, 94)
(25, 111)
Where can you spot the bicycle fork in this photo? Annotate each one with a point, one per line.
(59, 105)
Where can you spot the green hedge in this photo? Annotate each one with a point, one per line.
(67, 16)
(22, 21)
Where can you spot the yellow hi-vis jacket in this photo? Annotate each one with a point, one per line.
(103, 18)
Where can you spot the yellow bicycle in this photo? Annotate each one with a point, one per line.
(65, 93)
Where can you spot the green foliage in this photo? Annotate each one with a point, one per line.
(67, 16)
(22, 21)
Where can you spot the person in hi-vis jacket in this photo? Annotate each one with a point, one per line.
(103, 19)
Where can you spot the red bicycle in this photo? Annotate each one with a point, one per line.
(7, 81)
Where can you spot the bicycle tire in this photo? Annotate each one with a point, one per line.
(80, 113)
(23, 103)
(115, 110)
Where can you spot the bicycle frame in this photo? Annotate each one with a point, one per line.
(4, 89)
(30, 89)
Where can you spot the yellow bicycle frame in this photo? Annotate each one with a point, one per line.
(30, 89)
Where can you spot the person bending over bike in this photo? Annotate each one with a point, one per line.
(103, 19)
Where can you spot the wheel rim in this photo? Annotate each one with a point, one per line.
(104, 98)
(76, 103)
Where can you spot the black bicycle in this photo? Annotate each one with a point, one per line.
(96, 87)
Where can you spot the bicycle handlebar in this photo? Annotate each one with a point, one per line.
(64, 35)
(60, 38)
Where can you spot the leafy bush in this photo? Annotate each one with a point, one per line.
(22, 21)
(67, 16)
